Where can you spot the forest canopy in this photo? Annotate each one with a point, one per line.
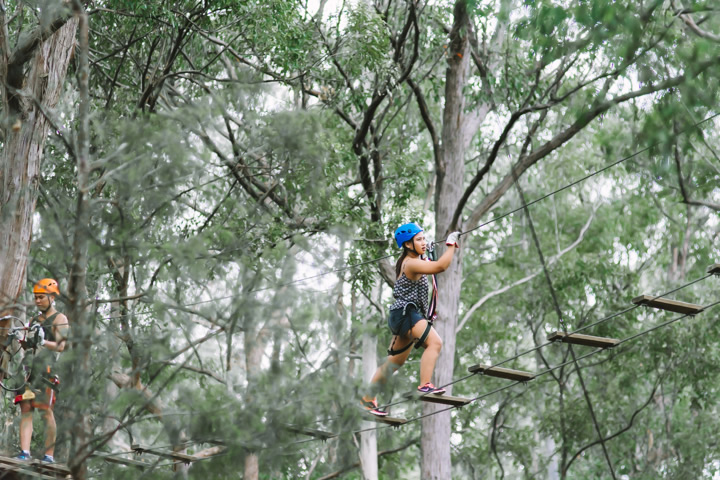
(215, 187)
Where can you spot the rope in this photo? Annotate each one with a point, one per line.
(607, 167)
(558, 311)
(511, 212)
(578, 330)
(510, 385)
(534, 349)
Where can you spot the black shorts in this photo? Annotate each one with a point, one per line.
(402, 320)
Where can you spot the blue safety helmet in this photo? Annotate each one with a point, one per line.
(406, 232)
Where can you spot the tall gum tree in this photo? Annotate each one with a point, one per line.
(32, 75)
(539, 113)
(545, 72)
(545, 96)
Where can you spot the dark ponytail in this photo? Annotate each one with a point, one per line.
(398, 265)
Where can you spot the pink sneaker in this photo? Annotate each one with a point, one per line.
(430, 388)
(372, 407)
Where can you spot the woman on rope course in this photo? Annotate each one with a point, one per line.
(41, 391)
(410, 319)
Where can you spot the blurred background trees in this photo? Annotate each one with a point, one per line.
(237, 148)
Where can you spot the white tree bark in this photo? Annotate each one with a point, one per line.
(368, 440)
(553, 469)
(435, 443)
(24, 99)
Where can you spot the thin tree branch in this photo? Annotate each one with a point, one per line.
(380, 454)
(551, 260)
(567, 134)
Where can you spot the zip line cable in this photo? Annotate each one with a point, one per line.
(511, 212)
(539, 374)
(558, 311)
(543, 372)
(580, 180)
(578, 330)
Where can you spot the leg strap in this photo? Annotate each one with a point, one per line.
(392, 352)
(420, 341)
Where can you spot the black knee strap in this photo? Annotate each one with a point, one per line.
(421, 341)
(392, 352)
(418, 343)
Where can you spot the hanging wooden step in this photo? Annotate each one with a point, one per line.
(311, 432)
(52, 468)
(669, 305)
(25, 468)
(587, 340)
(499, 372)
(714, 269)
(394, 421)
(443, 399)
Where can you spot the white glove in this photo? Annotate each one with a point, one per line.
(40, 332)
(452, 239)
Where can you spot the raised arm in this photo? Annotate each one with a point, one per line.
(416, 266)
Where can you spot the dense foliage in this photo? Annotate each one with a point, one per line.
(239, 149)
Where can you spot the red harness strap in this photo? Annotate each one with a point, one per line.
(432, 313)
(432, 307)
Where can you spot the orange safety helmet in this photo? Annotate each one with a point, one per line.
(47, 285)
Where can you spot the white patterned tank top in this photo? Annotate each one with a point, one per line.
(406, 292)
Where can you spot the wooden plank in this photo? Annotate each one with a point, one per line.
(121, 460)
(6, 467)
(57, 468)
(587, 340)
(21, 466)
(394, 421)
(213, 441)
(444, 399)
(669, 305)
(181, 457)
(714, 269)
(311, 432)
(499, 372)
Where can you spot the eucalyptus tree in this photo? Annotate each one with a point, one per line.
(207, 177)
(520, 82)
(131, 184)
(35, 49)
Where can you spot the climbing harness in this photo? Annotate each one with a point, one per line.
(431, 313)
(15, 374)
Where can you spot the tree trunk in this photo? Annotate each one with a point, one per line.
(81, 339)
(368, 440)
(435, 444)
(24, 141)
(253, 359)
(252, 467)
(255, 344)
